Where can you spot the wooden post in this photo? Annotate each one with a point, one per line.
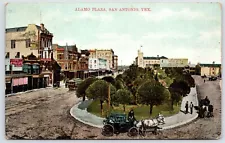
(10, 66)
(109, 98)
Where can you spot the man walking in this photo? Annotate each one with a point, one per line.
(186, 106)
(191, 107)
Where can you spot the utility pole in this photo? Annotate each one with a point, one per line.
(109, 98)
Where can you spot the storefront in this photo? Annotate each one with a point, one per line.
(16, 83)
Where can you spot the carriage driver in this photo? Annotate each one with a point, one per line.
(131, 115)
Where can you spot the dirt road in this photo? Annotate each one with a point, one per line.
(45, 115)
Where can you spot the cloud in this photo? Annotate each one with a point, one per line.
(185, 13)
(207, 35)
(64, 42)
(91, 16)
(163, 35)
(80, 16)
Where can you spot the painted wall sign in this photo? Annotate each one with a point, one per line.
(16, 62)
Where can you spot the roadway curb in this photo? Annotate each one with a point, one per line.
(163, 128)
(98, 126)
(90, 124)
(180, 124)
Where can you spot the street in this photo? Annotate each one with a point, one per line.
(45, 115)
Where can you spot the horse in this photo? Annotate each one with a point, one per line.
(159, 120)
(151, 124)
(206, 111)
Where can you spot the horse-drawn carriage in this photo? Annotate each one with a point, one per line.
(118, 123)
(205, 109)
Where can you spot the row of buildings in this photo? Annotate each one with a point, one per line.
(164, 62)
(33, 61)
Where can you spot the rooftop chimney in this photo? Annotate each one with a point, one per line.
(213, 62)
(42, 26)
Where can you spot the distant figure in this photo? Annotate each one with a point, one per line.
(191, 107)
(186, 107)
(204, 80)
(207, 101)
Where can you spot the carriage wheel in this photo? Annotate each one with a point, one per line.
(132, 132)
(142, 131)
(107, 130)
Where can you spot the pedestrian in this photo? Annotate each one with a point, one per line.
(191, 107)
(186, 106)
(204, 80)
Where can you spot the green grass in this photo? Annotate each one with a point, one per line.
(141, 111)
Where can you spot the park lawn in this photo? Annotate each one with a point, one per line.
(141, 111)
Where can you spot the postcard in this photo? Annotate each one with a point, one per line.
(113, 71)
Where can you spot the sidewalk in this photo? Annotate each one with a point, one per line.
(18, 93)
(170, 122)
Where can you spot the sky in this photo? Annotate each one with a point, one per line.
(174, 30)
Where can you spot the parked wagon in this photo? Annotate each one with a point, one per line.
(205, 109)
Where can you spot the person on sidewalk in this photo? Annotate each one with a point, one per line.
(191, 107)
(186, 107)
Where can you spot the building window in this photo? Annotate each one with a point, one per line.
(17, 55)
(212, 68)
(35, 69)
(45, 54)
(7, 55)
(5, 67)
(27, 43)
(13, 44)
(27, 69)
(94, 61)
(42, 42)
(60, 56)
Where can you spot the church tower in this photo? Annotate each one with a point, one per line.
(140, 59)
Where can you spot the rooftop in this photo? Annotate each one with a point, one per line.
(23, 28)
(69, 47)
(155, 58)
(210, 65)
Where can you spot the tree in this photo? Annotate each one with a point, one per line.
(198, 69)
(151, 93)
(189, 79)
(119, 77)
(135, 84)
(124, 97)
(99, 90)
(119, 84)
(80, 92)
(178, 89)
(109, 79)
